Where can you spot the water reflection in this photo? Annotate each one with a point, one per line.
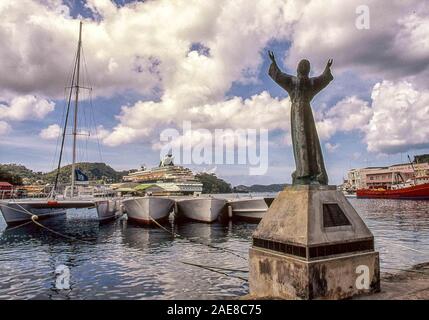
(401, 230)
(124, 260)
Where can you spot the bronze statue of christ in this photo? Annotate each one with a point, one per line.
(310, 168)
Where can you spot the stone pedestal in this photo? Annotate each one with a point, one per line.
(312, 244)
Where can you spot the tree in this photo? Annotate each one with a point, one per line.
(212, 184)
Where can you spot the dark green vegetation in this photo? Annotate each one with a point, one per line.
(94, 171)
(213, 184)
(259, 188)
(12, 176)
(423, 158)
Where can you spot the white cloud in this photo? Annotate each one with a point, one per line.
(331, 147)
(258, 112)
(128, 49)
(51, 132)
(397, 119)
(26, 108)
(395, 46)
(348, 114)
(4, 128)
(401, 118)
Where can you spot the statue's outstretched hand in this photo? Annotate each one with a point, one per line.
(329, 63)
(271, 55)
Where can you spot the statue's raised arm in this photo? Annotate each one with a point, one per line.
(283, 79)
(323, 80)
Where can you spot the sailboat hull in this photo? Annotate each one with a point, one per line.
(17, 213)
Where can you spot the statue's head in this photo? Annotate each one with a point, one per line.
(303, 69)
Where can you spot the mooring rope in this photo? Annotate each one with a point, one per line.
(174, 234)
(398, 245)
(25, 211)
(405, 270)
(213, 269)
(34, 219)
(18, 226)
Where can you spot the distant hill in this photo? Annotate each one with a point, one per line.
(213, 184)
(259, 188)
(95, 171)
(15, 173)
(423, 158)
(98, 171)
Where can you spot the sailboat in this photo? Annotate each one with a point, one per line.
(16, 211)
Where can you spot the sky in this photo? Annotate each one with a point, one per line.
(155, 66)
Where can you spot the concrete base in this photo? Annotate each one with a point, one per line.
(312, 244)
(277, 275)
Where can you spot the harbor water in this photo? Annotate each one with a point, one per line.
(121, 260)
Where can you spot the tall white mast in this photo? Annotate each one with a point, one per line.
(76, 104)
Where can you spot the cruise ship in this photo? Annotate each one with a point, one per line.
(171, 179)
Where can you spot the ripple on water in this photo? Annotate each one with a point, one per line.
(125, 261)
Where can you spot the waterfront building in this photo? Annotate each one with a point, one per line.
(6, 190)
(385, 177)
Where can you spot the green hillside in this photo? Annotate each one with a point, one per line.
(259, 188)
(213, 184)
(94, 171)
(15, 174)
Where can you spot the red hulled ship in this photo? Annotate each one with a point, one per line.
(409, 190)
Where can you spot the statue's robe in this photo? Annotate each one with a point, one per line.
(310, 168)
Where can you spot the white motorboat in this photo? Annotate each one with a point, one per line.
(146, 209)
(204, 209)
(108, 209)
(249, 209)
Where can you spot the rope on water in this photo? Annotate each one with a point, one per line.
(174, 234)
(18, 226)
(405, 270)
(398, 245)
(34, 219)
(213, 269)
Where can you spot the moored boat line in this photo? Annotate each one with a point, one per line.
(144, 210)
(203, 209)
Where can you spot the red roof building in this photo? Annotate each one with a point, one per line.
(5, 186)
